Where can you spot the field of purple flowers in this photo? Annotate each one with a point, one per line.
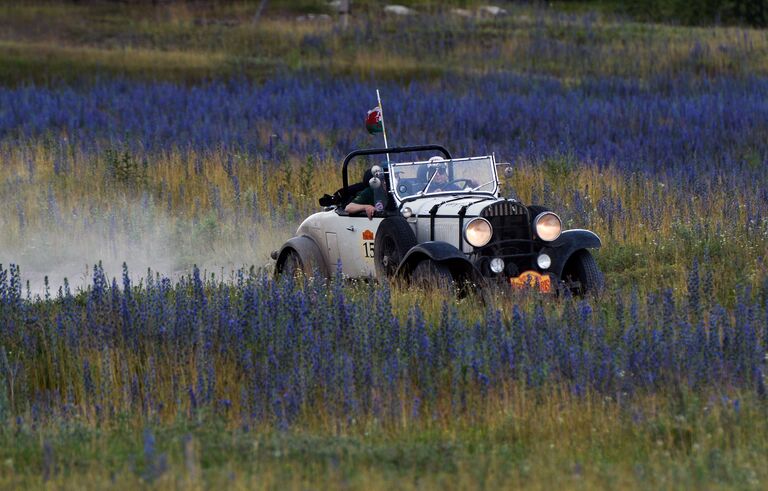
(258, 360)
(686, 126)
(275, 353)
(671, 173)
(205, 371)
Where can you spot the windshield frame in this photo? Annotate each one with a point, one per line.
(451, 166)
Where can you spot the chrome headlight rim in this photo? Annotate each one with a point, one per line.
(539, 217)
(497, 265)
(478, 220)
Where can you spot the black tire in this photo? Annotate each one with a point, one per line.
(581, 275)
(429, 274)
(394, 239)
(291, 265)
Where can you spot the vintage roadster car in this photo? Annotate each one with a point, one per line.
(461, 231)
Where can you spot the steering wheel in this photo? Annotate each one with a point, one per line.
(453, 184)
(466, 183)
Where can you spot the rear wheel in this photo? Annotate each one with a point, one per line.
(394, 238)
(291, 265)
(581, 274)
(429, 274)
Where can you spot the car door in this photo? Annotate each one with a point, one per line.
(351, 240)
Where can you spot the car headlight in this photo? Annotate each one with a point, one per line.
(478, 232)
(548, 226)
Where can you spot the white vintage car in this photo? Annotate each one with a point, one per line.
(441, 219)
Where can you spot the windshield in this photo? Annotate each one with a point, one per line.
(438, 175)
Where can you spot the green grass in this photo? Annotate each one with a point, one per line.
(49, 42)
(542, 440)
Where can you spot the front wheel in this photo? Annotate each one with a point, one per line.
(581, 274)
(394, 238)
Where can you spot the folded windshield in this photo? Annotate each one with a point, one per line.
(438, 175)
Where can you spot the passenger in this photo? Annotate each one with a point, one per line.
(365, 200)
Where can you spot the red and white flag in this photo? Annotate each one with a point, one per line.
(373, 121)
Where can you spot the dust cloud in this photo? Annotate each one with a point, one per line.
(158, 241)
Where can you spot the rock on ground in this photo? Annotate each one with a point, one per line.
(491, 11)
(313, 17)
(462, 12)
(398, 10)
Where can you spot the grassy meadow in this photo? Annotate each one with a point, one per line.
(51, 42)
(152, 156)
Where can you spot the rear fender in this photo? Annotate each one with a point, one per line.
(440, 252)
(309, 254)
(570, 241)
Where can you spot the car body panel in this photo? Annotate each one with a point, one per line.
(570, 241)
(441, 252)
(447, 227)
(346, 238)
(309, 251)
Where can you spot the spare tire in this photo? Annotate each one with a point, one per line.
(394, 239)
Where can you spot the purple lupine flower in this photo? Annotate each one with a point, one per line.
(155, 463)
(49, 464)
(90, 389)
(694, 303)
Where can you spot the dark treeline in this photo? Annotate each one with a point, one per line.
(686, 12)
(695, 12)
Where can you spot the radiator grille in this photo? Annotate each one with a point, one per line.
(511, 229)
(503, 209)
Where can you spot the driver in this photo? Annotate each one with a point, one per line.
(439, 180)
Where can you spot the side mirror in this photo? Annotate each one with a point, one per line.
(509, 171)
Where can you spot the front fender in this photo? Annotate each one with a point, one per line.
(440, 252)
(570, 241)
(309, 253)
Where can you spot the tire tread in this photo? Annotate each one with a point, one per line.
(404, 239)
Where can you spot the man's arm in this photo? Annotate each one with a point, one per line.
(353, 208)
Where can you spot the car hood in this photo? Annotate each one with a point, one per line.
(451, 205)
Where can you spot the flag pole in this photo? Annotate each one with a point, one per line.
(383, 127)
